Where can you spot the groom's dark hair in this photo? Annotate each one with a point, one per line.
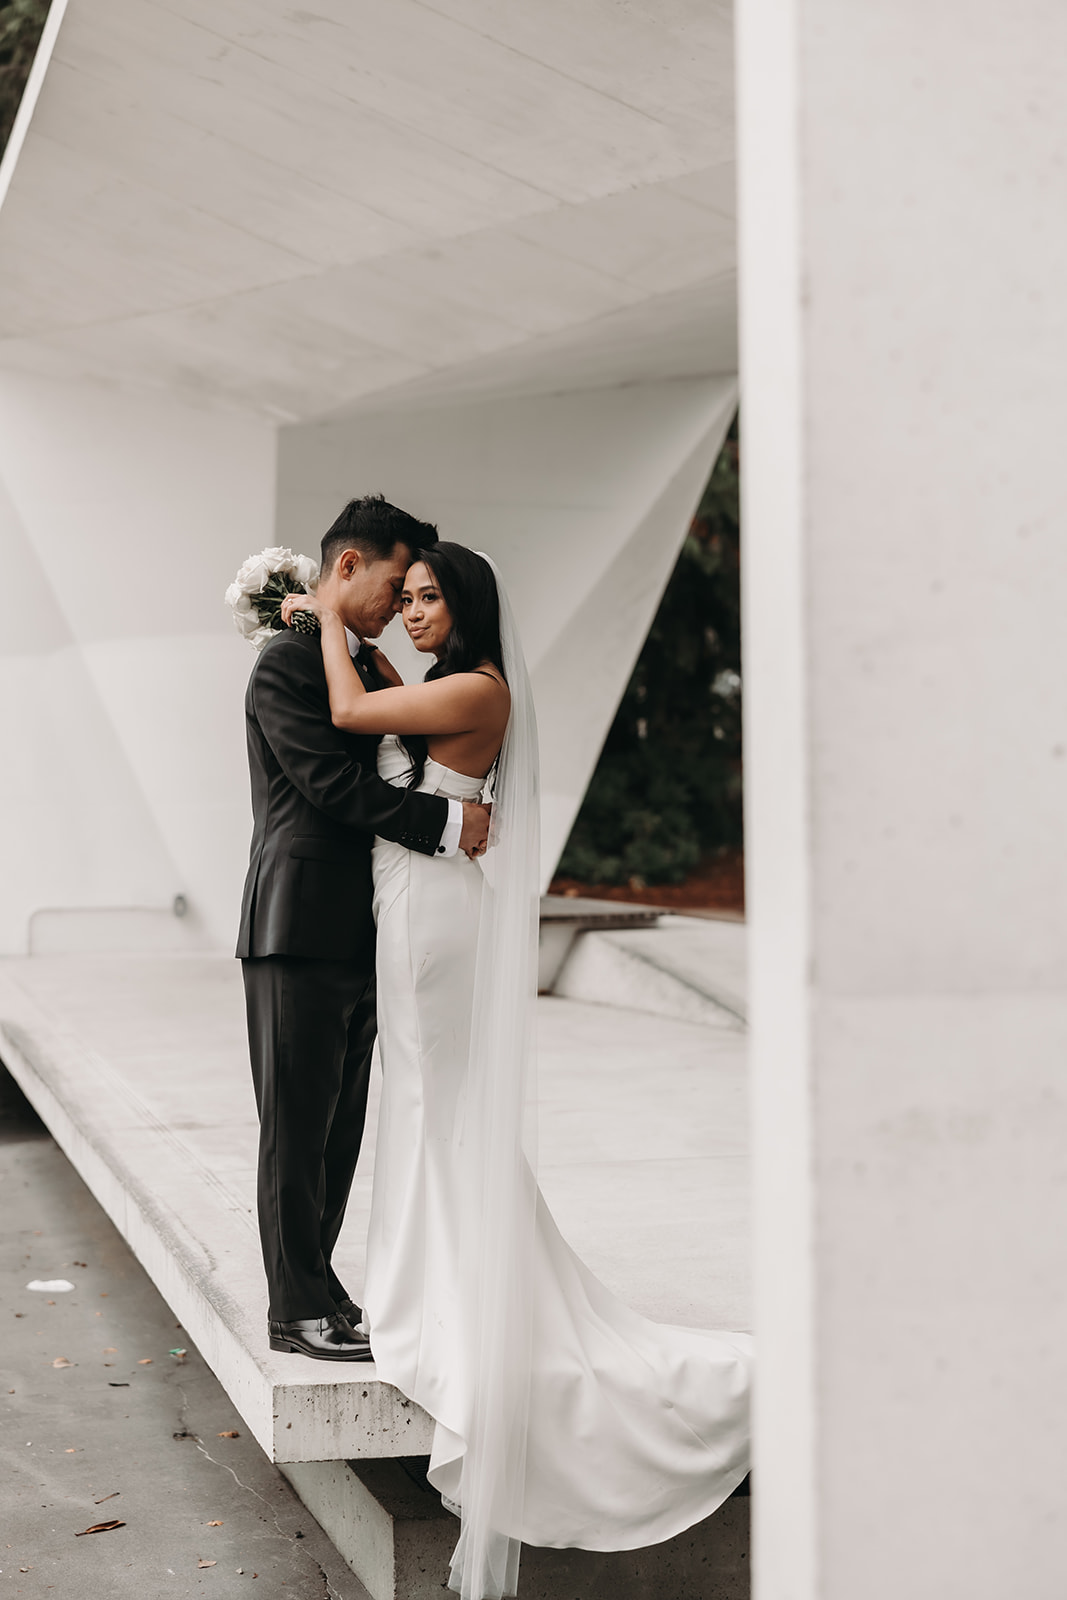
(375, 528)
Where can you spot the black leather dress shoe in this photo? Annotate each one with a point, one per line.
(324, 1338)
(352, 1314)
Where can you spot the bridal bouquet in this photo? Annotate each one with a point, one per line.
(255, 596)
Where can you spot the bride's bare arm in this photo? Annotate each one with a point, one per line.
(462, 703)
(458, 704)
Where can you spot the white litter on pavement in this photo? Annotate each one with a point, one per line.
(50, 1285)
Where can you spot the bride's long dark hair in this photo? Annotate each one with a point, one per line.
(468, 587)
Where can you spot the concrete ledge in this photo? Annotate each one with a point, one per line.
(398, 1539)
(685, 967)
(190, 1234)
(564, 917)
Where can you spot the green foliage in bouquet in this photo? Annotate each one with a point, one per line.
(667, 788)
(268, 602)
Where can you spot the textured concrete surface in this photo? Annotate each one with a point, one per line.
(290, 208)
(399, 1538)
(139, 1064)
(127, 1431)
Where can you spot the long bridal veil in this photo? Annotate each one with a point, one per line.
(496, 1158)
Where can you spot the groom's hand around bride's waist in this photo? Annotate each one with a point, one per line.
(474, 837)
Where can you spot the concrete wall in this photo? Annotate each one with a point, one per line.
(583, 498)
(123, 517)
(904, 365)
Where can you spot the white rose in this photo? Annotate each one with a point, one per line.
(253, 576)
(306, 572)
(279, 558)
(261, 636)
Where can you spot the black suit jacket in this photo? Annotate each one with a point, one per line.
(317, 802)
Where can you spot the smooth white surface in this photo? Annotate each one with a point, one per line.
(904, 353)
(288, 209)
(776, 795)
(122, 518)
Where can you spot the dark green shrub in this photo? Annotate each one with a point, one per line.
(21, 22)
(667, 788)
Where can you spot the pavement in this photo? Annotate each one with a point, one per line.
(128, 1430)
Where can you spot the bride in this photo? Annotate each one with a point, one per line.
(562, 1417)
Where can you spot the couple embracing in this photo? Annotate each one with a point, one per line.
(383, 898)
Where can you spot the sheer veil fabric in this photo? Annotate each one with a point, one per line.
(496, 1154)
(562, 1418)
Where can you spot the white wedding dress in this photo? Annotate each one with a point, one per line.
(636, 1430)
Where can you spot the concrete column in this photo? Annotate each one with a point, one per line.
(904, 379)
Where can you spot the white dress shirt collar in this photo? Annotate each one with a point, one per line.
(355, 644)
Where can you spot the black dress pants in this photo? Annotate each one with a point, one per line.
(311, 1029)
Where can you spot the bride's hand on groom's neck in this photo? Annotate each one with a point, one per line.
(307, 602)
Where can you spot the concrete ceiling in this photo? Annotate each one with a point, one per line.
(304, 210)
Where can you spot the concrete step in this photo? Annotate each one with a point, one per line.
(686, 967)
(398, 1539)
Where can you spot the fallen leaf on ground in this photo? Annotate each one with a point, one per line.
(61, 1361)
(110, 1350)
(213, 1524)
(145, 1361)
(70, 1451)
(113, 1385)
(206, 1563)
(100, 1527)
(110, 1496)
(230, 1433)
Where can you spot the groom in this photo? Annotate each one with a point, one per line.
(307, 933)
